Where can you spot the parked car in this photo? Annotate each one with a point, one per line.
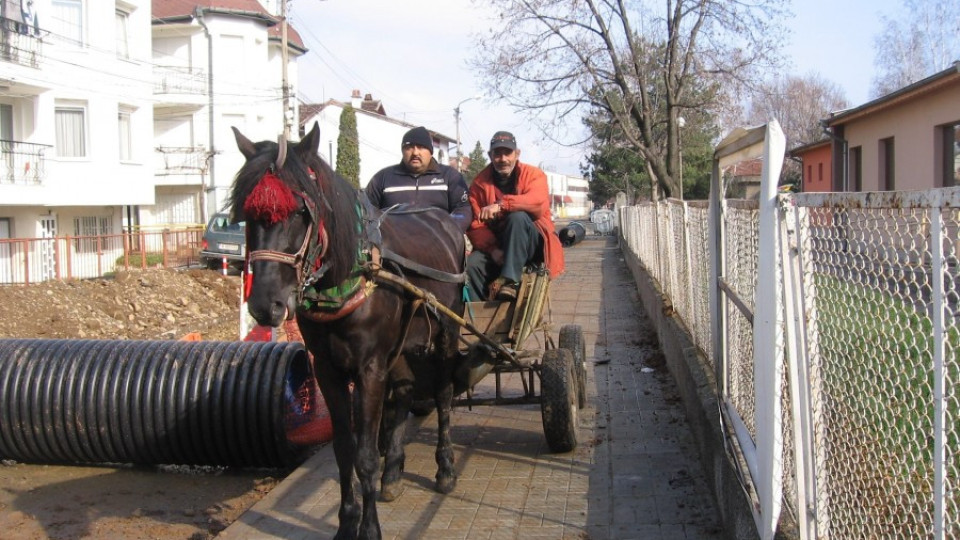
(223, 239)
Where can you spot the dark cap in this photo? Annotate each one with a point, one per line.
(503, 139)
(418, 136)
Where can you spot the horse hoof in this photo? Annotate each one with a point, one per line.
(389, 492)
(446, 484)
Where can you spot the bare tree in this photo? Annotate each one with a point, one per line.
(644, 62)
(917, 43)
(798, 103)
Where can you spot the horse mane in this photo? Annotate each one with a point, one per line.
(336, 200)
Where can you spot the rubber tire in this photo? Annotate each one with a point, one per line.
(571, 339)
(558, 400)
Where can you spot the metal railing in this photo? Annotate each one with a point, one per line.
(33, 260)
(179, 80)
(21, 162)
(20, 43)
(180, 160)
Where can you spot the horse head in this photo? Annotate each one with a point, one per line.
(291, 202)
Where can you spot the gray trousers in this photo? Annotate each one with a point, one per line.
(521, 244)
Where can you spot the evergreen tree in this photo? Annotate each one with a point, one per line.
(348, 147)
(478, 160)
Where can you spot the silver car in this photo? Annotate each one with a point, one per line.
(223, 239)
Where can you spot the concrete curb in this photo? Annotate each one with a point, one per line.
(697, 385)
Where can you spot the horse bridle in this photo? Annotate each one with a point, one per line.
(312, 250)
(301, 258)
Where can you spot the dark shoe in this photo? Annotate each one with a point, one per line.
(507, 292)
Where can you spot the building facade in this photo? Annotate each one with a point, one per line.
(76, 117)
(216, 65)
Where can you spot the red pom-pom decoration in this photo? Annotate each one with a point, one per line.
(271, 201)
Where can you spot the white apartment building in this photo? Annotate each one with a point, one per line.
(569, 195)
(214, 68)
(76, 116)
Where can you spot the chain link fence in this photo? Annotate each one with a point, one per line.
(867, 312)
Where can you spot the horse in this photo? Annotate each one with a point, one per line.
(360, 283)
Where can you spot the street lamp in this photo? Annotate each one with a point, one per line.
(456, 115)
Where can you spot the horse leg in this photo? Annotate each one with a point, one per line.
(336, 392)
(368, 395)
(394, 430)
(446, 476)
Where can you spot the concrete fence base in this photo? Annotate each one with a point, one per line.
(697, 385)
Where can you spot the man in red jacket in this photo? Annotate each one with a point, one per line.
(512, 226)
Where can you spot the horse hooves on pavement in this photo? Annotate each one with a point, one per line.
(389, 492)
(445, 484)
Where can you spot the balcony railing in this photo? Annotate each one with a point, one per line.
(172, 160)
(21, 162)
(179, 80)
(19, 43)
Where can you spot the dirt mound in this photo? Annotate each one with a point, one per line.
(134, 304)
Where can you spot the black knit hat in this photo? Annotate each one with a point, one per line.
(418, 136)
(503, 139)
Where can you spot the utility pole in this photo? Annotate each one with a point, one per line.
(456, 115)
(284, 59)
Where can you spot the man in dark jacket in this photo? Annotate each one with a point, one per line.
(419, 180)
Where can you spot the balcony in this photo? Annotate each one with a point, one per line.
(22, 163)
(180, 165)
(180, 85)
(19, 43)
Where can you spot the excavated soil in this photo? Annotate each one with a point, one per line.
(117, 501)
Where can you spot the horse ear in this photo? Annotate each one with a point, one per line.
(310, 143)
(244, 144)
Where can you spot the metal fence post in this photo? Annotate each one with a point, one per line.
(939, 376)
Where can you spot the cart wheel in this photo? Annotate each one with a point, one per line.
(558, 400)
(571, 339)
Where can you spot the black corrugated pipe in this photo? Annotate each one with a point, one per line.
(572, 234)
(154, 402)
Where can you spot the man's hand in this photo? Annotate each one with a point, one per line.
(491, 212)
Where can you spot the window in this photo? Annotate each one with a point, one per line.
(6, 122)
(125, 135)
(887, 178)
(820, 172)
(66, 21)
(856, 166)
(87, 228)
(71, 131)
(809, 174)
(123, 47)
(6, 144)
(951, 155)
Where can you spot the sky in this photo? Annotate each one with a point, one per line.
(413, 57)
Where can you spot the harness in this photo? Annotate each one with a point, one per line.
(337, 301)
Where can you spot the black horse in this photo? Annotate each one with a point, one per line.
(319, 250)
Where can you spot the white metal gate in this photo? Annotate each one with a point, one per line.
(46, 250)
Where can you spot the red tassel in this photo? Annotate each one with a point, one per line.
(271, 201)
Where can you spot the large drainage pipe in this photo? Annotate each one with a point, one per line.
(244, 404)
(572, 234)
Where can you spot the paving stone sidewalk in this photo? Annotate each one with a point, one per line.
(634, 474)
